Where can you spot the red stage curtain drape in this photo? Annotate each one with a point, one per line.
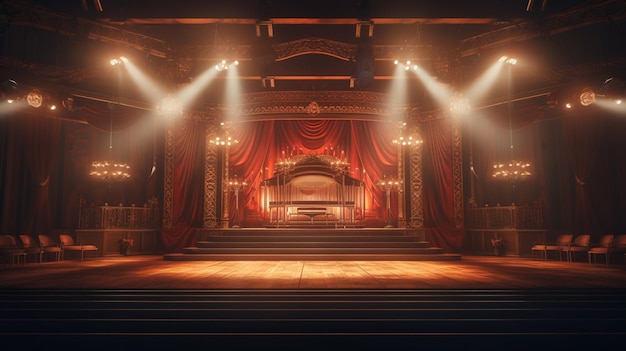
(365, 145)
(438, 179)
(188, 185)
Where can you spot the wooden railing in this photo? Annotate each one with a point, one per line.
(122, 217)
(518, 217)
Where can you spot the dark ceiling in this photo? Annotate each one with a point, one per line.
(66, 45)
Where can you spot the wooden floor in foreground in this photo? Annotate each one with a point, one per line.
(477, 303)
(471, 272)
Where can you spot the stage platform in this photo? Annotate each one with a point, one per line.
(337, 244)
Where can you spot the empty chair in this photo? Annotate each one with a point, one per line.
(68, 245)
(562, 241)
(601, 248)
(9, 249)
(31, 246)
(580, 244)
(618, 247)
(49, 246)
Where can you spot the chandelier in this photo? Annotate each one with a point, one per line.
(109, 170)
(511, 170)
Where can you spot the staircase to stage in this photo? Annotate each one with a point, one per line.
(343, 244)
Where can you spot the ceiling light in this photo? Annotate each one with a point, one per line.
(587, 97)
(34, 98)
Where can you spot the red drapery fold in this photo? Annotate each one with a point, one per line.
(187, 211)
(439, 186)
(366, 146)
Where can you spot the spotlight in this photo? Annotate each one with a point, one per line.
(587, 96)
(224, 65)
(53, 107)
(8, 90)
(34, 98)
(508, 60)
(118, 61)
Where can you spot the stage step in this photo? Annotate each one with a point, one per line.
(311, 257)
(277, 319)
(311, 244)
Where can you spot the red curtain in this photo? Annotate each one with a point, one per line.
(366, 146)
(438, 177)
(188, 183)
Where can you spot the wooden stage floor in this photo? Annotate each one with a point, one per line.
(471, 272)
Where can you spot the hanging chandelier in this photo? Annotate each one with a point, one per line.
(512, 170)
(109, 170)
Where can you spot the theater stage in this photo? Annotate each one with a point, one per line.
(313, 241)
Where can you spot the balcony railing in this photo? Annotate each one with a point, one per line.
(119, 217)
(500, 217)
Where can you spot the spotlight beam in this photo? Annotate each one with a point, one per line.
(437, 90)
(148, 86)
(481, 86)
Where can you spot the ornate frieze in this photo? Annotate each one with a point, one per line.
(314, 103)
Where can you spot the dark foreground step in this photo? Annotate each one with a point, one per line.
(284, 319)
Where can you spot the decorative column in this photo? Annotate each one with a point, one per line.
(410, 142)
(235, 185)
(388, 185)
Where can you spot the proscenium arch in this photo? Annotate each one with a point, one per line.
(348, 105)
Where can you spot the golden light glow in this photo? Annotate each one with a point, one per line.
(110, 170)
(512, 170)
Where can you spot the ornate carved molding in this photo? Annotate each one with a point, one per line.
(211, 185)
(168, 181)
(315, 103)
(416, 188)
(343, 51)
(457, 170)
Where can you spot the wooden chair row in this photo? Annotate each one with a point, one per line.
(608, 246)
(40, 247)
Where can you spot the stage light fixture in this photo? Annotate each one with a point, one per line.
(224, 65)
(509, 60)
(587, 97)
(34, 98)
(118, 61)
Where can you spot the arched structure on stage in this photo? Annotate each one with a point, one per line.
(318, 157)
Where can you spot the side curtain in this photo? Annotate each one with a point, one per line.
(41, 150)
(187, 211)
(438, 179)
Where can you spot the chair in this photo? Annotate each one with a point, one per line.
(50, 246)
(618, 246)
(31, 246)
(562, 241)
(9, 248)
(601, 248)
(580, 244)
(68, 244)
